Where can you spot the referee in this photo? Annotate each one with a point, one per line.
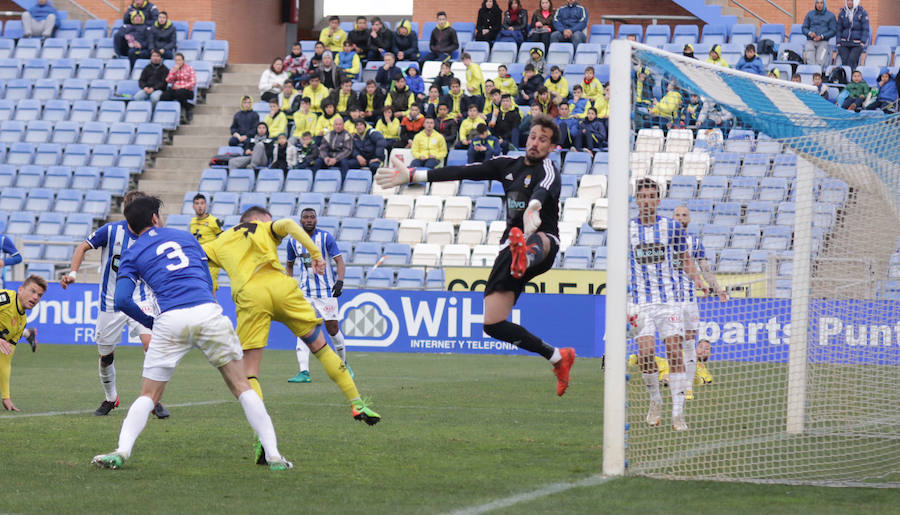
(530, 241)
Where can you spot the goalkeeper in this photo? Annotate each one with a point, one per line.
(13, 308)
(530, 241)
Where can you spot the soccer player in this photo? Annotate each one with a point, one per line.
(12, 255)
(530, 241)
(14, 306)
(205, 228)
(691, 312)
(262, 293)
(172, 263)
(321, 291)
(659, 253)
(114, 238)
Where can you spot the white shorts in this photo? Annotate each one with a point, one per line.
(327, 307)
(665, 319)
(691, 314)
(176, 331)
(110, 325)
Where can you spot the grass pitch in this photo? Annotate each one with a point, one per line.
(467, 433)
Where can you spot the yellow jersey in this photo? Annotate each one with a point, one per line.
(251, 246)
(12, 316)
(206, 228)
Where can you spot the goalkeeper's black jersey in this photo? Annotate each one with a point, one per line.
(521, 183)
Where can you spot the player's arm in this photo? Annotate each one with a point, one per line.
(288, 227)
(291, 257)
(690, 268)
(77, 258)
(12, 253)
(399, 174)
(125, 303)
(339, 282)
(710, 278)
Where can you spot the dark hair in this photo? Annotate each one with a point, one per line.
(466, 56)
(140, 211)
(529, 67)
(750, 47)
(307, 210)
(591, 68)
(454, 80)
(370, 81)
(272, 66)
(325, 103)
(376, 18)
(361, 18)
(546, 122)
(182, 56)
(157, 52)
(646, 183)
(387, 108)
(504, 67)
(252, 211)
(578, 87)
(481, 127)
(164, 12)
(201, 196)
(555, 68)
(346, 81)
(289, 81)
(131, 196)
(305, 134)
(505, 95)
(495, 90)
(333, 18)
(305, 100)
(434, 86)
(444, 104)
(440, 13)
(471, 105)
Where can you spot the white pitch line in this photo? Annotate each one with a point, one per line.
(597, 479)
(84, 412)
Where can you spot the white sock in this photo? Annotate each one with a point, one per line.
(108, 380)
(302, 355)
(677, 383)
(259, 420)
(652, 382)
(339, 347)
(690, 363)
(134, 423)
(554, 359)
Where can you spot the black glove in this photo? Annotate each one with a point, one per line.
(338, 288)
(32, 339)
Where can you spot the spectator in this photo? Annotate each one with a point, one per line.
(531, 82)
(288, 99)
(333, 36)
(330, 75)
(643, 88)
(505, 83)
(525, 126)
(272, 79)
(569, 23)
(371, 101)
(431, 103)
(796, 78)
(316, 60)
(406, 42)
(316, 93)
(852, 33)
(569, 136)
(400, 98)
(389, 127)
(688, 50)
(443, 40)
(304, 121)
(711, 115)
(41, 19)
(750, 62)
(243, 125)
(557, 85)
(542, 23)
(348, 61)
(303, 152)
(325, 122)
(821, 88)
(138, 38)
(415, 83)
(280, 151)
(429, 147)
(474, 81)
(257, 150)
(857, 90)
(368, 147)
(182, 80)
(536, 60)
(489, 21)
(410, 125)
(467, 129)
(276, 120)
(506, 123)
(343, 98)
(774, 73)
(819, 26)
(442, 81)
(152, 81)
(579, 103)
(165, 38)
(381, 39)
(484, 146)
(387, 73)
(295, 63)
(515, 22)
(359, 37)
(335, 148)
(455, 100)
(591, 86)
(446, 125)
(669, 105)
(715, 56)
(593, 131)
(545, 100)
(492, 109)
(149, 14)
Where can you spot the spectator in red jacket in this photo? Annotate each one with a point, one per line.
(182, 80)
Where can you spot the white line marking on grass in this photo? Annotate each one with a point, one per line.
(597, 479)
(84, 412)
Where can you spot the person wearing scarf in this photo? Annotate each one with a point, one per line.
(489, 22)
(164, 36)
(515, 23)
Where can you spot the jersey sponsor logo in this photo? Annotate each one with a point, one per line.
(649, 253)
(4, 298)
(514, 204)
(114, 263)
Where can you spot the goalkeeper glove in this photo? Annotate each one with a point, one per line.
(32, 339)
(531, 219)
(398, 174)
(338, 288)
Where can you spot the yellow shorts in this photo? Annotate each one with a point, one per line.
(214, 273)
(272, 296)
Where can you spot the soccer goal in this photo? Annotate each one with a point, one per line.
(795, 202)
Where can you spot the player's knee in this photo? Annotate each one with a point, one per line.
(495, 330)
(107, 359)
(312, 336)
(540, 245)
(332, 327)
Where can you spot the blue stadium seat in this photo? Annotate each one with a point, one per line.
(834, 191)
(715, 236)
(121, 134)
(96, 203)
(30, 176)
(602, 34)
(457, 157)
(85, 178)
(35, 69)
(298, 181)
(357, 181)
(204, 73)
(504, 52)
(178, 221)
(353, 229)
(204, 30)
(479, 50)
(74, 89)
(117, 69)
(78, 225)
(224, 203)
(19, 89)
(732, 261)
(560, 53)
(269, 180)
(701, 210)
(382, 277)
(785, 213)
(341, 205)
(95, 29)
(525, 50)
(50, 224)
(45, 89)
(7, 109)
(353, 275)
(191, 48)
(657, 35)
(27, 48)
(434, 279)
(48, 154)
(474, 189)
(776, 237)
(90, 69)
(366, 253)
(713, 187)
(216, 52)
(28, 109)
(684, 34)
(20, 154)
(149, 135)
(773, 32)
(577, 163)
(61, 69)
(578, 257)
(250, 199)
(773, 188)
(824, 215)
(84, 111)
(60, 178)
(93, 133)
(167, 114)
(588, 54)
(12, 131)
(384, 230)
(745, 236)
(12, 199)
(743, 189)
(410, 279)
(139, 65)
(19, 222)
(68, 29)
(487, 209)
(181, 29)
(465, 31)
(743, 34)
(312, 200)
(281, 204)
(369, 206)
(327, 181)
(627, 29)
(397, 254)
(68, 201)
(10, 68)
(65, 131)
(102, 90)
(7, 46)
(80, 49)
(39, 200)
(7, 175)
(213, 180)
(103, 155)
(727, 213)
(132, 158)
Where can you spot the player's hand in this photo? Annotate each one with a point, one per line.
(318, 266)
(66, 280)
(9, 406)
(723, 296)
(5, 346)
(31, 338)
(338, 288)
(396, 175)
(531, 220)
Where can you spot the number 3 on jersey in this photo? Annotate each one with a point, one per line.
(176, 253)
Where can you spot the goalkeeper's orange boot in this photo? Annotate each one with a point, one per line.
(519, 251)
(561, 369)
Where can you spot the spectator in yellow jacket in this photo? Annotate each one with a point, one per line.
(325, 122)
(468, 126)
(506, 84)
(429, 147)
(591, 87)
(557, 85)
(316, 93)
(669, 105)
(276, 121)
(304, 121)
(715, 56)
(474, 80)
(333, 36)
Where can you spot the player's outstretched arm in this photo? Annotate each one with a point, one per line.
(125, 302)
(710, 277)
(286, 226)
(399, 174)
(77, 258)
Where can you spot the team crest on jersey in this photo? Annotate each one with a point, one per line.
(14, 321)
(527, 180)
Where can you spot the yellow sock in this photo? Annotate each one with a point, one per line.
(337, 371)
(254, 383)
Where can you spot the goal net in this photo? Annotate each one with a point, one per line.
(795, 203)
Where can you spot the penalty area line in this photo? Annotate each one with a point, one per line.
(84, 412)
(555, 488)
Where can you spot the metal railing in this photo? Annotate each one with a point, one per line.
(652, 17)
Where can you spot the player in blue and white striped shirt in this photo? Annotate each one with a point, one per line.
(658, 255)
(12, 255)
(113, 238)
(321, 291)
